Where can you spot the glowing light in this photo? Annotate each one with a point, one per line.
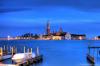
(8, 37)
(80, 38)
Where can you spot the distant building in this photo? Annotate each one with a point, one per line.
(46, 37)
(56, 38)
(55, 35)
(27, 36)
(96, 38)
(78, 36)
(59, 35)
(68, 36)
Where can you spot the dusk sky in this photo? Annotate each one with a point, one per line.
(75, 16)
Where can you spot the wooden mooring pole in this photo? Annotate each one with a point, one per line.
(37, 51)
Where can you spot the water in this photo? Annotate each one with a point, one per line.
(56, 53)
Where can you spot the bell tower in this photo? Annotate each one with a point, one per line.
(60, 29)
(48, 28)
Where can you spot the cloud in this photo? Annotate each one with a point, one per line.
(13, 10)
(85, 5)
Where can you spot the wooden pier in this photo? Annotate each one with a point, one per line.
(90, 57)
(4, 54)
(33, 60)
(29, 62)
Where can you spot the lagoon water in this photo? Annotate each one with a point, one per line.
(55, 53)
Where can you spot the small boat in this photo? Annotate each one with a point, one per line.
(22, 57)
(90, 59)
(29, 56)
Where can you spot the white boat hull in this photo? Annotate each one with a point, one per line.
(22, 57)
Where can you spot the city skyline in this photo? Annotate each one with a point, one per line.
(49, 31)
(41, 30)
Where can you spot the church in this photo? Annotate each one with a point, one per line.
(60, 35)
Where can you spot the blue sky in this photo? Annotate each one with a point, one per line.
(75, 16)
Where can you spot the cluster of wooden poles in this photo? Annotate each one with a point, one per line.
(13, 50)
(4, 51)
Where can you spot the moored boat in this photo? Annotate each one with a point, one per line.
(22, 57)
(90, 59)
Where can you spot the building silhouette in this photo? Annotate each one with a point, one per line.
(58, 35)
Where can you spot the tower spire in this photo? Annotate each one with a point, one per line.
(60, 29)
(48, 28)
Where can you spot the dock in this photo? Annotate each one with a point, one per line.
(4, 54)
(91, 58)
(32, 60)
(29, 62)
(28, 56)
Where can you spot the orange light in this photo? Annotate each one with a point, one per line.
(80, 37)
